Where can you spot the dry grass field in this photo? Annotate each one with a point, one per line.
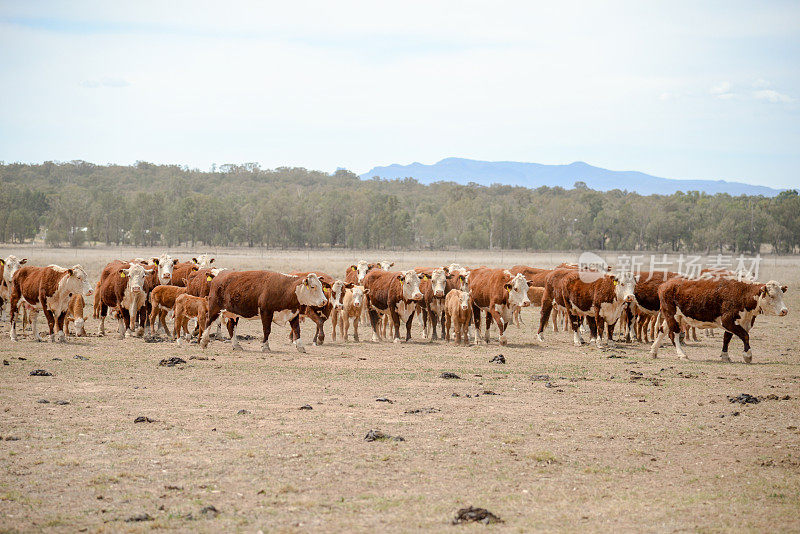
(558, 438)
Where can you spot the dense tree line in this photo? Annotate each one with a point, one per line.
(77, 203)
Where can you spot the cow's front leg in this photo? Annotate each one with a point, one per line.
(266, 325)
(409, 323)
(135, 329)
(730, 324)
(60, 336)
(726, 340)
(295, 325)
(51, 321)
(395, 322)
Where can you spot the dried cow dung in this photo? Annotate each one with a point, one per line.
(476, 515)
(377, 435)
(210, 510)
(172, 362)
(498, 359)
(41, 372)
(449, 375)
(744, 398)
(143, 419)
(138, 517)
(384, 399)
(306, 407)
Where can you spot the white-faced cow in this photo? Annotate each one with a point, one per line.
(497, 292)
(123, 290)
(601, 301)
(264, 294)
(8, 267)
(353, 302)
(203, 261)
(48, 289)
(166, 264)
(722, 303)
(395, 293)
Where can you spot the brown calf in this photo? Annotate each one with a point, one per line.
(123, 290)
(187, 306)
(353, 302)
(75, 314)
(458, 313)
(181, 273)
(162, 300)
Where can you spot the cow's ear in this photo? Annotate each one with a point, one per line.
(195, 268)
(305, 281)
(530, 283)
(461, 278)
(507, 287)
(185, 281)
(70, 271)
(391, 263)
(353, 268)
(194, 260)
(124, 272)
(23, 260)
(175, 261)
(211, 260)
(2, 261)
(366, 291)
(154, 261)
(784, 288)
(349, 286)
(400, 277)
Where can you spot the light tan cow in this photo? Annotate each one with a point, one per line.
(353, 303)
(458, 313)
(187, 306)
(76, 315)
(162, 301)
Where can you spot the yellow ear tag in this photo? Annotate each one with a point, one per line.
(122, 275)
(208, 278)
(615, 282)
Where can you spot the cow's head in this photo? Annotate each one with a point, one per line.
(309, 292)
(410, 284)
(75, 281)
(770, 299)
(454, 267)
(517, 288)
(11, 265)
(165, 265)
(203, 261)
(358, 295)
(463, 300)
(134, 276)
(438, 282)
(624, 286)
(463, 280)
(337, 292)
(385, 265)
(361, 268)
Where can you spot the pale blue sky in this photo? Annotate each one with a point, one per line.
(674, 89)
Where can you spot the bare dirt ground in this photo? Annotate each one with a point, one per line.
(558, 438)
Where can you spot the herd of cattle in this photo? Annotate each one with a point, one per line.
(140, 294)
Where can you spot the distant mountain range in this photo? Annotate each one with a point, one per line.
(533, 175)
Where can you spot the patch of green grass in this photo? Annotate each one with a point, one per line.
(544, 457)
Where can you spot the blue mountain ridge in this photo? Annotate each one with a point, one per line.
(533, 175)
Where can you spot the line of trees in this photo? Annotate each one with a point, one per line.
(78, 203)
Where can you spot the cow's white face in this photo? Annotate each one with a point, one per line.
(517, 289)
(624, 286)
(337, 292)
(410, 281)
(76, 281)
(454, 267)
(358, 295)
(438, 282)
(165, 265)
(463, 300)
(362, 268)
(385, 265)
(203, 261)
(80, 273)
(770, 299)
(309, 292)
(12, 265)
(135, 277)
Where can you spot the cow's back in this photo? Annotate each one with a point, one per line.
(486, 285)
(382, 288)
(534, 275)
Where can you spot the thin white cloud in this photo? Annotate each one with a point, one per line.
(773, 96)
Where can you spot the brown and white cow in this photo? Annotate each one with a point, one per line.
(497, 292)
(458, 312)
(48, 289)
(203, 261)
(75, 314)
(647, 303)
(8, 267)
(182, 272)
(395, 293)
(716, 303)
(334, 290)
(123, 291)
(264, 294)
(435, 285)
(600, 301)
(186, 307)
(166, 265)
(535, 277)
(353, 302)
(162, 301)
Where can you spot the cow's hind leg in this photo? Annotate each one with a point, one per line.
(266, 325)
(730, 325)
(295, 325)
(60, 336)
(726, 340)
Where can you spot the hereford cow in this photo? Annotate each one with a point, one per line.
(75, 314)
(48, 289)
(719, 303)
(395, 293)
(203, 261)
(266, 294)
(123, 291)
(353, 302)
(601, 301)
(162, 301)
(458, 310)
(8, 267)
(535, 277)
(647, 302)
(334, 290)
(435, 285)
(497, 292)
(181, 272)
(166, 265)
(187, 306)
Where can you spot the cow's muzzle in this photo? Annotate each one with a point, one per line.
(89, 293)
(783, 312)
(438, 293)
(628, 299)
(417, 296)
(136, 289)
